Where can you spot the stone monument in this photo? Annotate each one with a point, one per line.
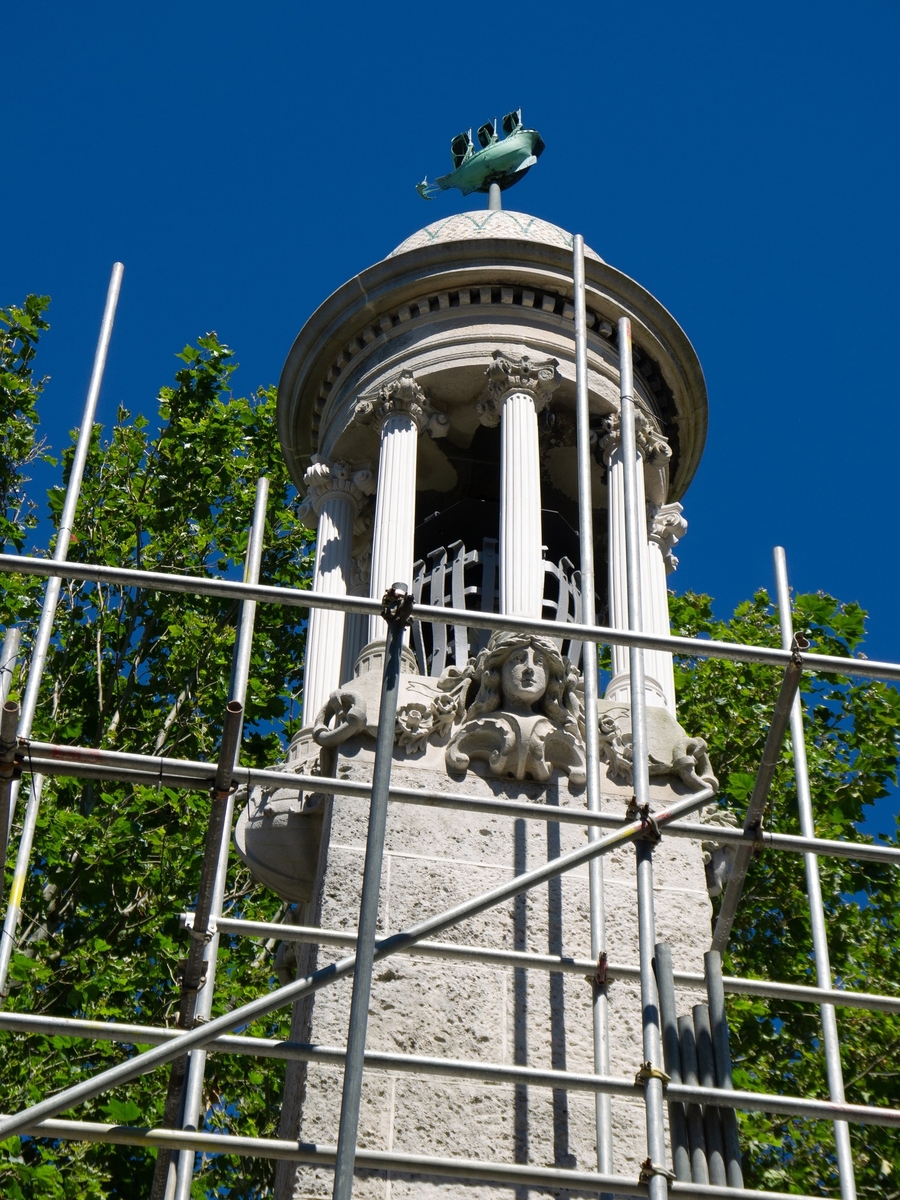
(426, 410)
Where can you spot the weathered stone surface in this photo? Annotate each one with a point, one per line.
(434, 858)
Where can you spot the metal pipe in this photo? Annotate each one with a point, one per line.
(830, 1038)
(8, 656)
(715, 991)
(160, 581)
(668, 1015)
(757, 805)
(697, 1136)
(495, 204)
(53, 759)
(685, 1093)
(237, 694)
(271, 1002)
(396, 613)
(192, 975)
(712, 1125)
(600, 996)
(652, 1048)
(9, 720)
(551, 1178)
(733, 984)
(45, 627)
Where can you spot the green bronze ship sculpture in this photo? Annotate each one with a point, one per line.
(503, 161)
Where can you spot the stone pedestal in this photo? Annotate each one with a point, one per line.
(433, 859)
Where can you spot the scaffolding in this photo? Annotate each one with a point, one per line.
(692, 1080)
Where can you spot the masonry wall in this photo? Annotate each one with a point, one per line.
(435, 858)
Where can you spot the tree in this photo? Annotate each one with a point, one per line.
(851, 737)
(114, 865)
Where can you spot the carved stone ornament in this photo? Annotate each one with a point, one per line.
(402, 395)
(539, 379)
(666, 526)
(516, 708)
(526, 718)
(324, 479)
(680, 755)
(652, 445)
(718, 859)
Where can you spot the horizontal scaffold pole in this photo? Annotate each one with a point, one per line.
(152, 771)
(734, 984)
(160, 581)
(390, 1160)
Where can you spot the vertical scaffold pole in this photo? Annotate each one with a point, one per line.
(397, 605)
(8, 656)
(654, 1168)
(240, 675)
(45, 627)
(591, 721)
(830, 1037)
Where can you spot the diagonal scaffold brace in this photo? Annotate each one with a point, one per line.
(756, 808)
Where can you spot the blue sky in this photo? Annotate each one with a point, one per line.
(739, 160)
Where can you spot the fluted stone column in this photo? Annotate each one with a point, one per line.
(335, 494)
(402, 413)
(619, 688)
(666, 527)
(518, 390)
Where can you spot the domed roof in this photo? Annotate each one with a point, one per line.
(490, 223)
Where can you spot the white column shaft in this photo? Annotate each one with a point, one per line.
(619, 688)
(656, 619)
(325, 633)
(521, 565)
(395, 512)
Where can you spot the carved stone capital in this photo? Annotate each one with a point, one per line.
(538, 378)
(652, 445)
(402, 396)
(666, 526)
(324, 479)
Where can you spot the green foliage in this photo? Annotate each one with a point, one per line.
(851, 738)
(114, 865)
(20, 330)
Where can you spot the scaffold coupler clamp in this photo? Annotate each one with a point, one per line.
(647, 1071)
(799, 643)
(649, 1168)
(649, 827)
(600, 978)
(396, 605)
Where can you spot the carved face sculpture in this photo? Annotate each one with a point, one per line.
(524, 677)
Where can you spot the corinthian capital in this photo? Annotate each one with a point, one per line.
(402, 396)
(324, 479)
(666, 526)
(652, 445)
(539, 379)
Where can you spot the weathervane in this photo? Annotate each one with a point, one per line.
(499, 163)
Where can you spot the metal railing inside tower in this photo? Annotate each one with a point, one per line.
(679, 1069)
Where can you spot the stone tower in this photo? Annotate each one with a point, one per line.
(426, 410)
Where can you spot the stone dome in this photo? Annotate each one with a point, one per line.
(487, 223)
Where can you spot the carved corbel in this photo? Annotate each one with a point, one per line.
(666, 527)
(538, 378)
(402, 396)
